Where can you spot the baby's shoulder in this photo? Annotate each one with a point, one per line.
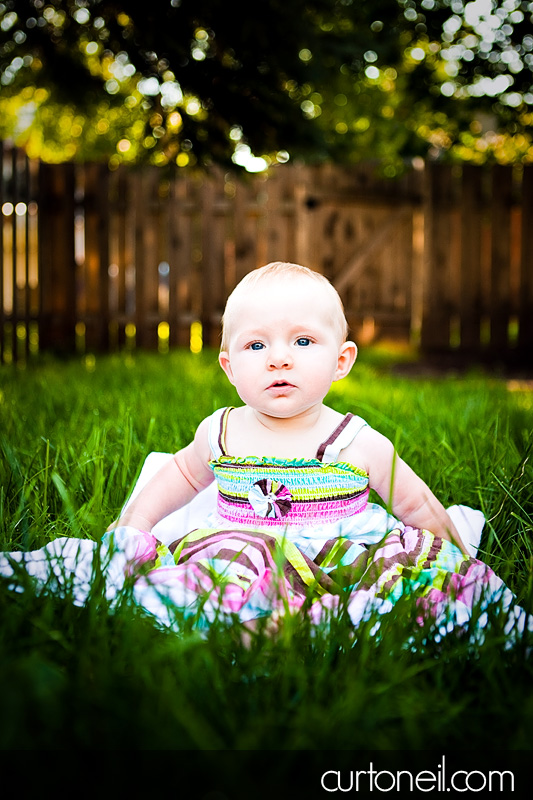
(218, 418)
(367, 448)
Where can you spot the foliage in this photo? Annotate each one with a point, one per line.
(195, 81)
(73, 437)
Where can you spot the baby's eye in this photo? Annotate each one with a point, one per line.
(256, 346)
(303, 341)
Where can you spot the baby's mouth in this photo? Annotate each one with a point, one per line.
(281, 385)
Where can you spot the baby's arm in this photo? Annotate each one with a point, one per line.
(409, 498)
(173, 486)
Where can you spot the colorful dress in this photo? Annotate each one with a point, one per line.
(286, 536)
(291, 535)
(308, 501)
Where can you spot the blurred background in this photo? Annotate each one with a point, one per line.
(152, 154)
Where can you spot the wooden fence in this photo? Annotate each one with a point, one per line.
(99, 260)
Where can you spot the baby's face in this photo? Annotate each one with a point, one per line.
(284, 347)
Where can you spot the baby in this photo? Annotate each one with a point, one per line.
(284, 343)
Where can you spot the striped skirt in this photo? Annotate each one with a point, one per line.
(247, 574)
(243, 575)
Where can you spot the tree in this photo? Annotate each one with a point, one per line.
(196, 81)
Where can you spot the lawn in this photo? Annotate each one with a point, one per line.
(73, 437)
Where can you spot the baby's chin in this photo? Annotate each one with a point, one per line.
(286, 411)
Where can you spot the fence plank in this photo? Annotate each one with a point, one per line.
(438, 235)
(14, 253)
(246, 214)
(397, 277)
(280, 213)
(18, 273)
(181, 262)
(26, 257)
(525, 306)
(470, 262)
(120, 257)
(95, 269)
(145, 199)
(298, 214)
(57, 274)
(213, 231)
(2, 298)
(500, 299)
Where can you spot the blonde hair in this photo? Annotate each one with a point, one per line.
(281, 270)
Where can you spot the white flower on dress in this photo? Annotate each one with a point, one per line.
(270, 499)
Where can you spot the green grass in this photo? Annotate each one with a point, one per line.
(73, 436)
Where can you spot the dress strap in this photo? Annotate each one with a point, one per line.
(217, 432)
(341, 437)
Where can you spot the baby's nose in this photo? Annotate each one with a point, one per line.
(280, 356)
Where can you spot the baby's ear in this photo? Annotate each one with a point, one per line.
(223, 360)
(347, 356)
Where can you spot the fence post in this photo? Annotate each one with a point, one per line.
(502, 189)
(435, 334)
(212, 245)
(525, 307)
(181, 246)
(2, 310)
(57, 267)
(96, 267)
(470, 274)
(146, 201)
